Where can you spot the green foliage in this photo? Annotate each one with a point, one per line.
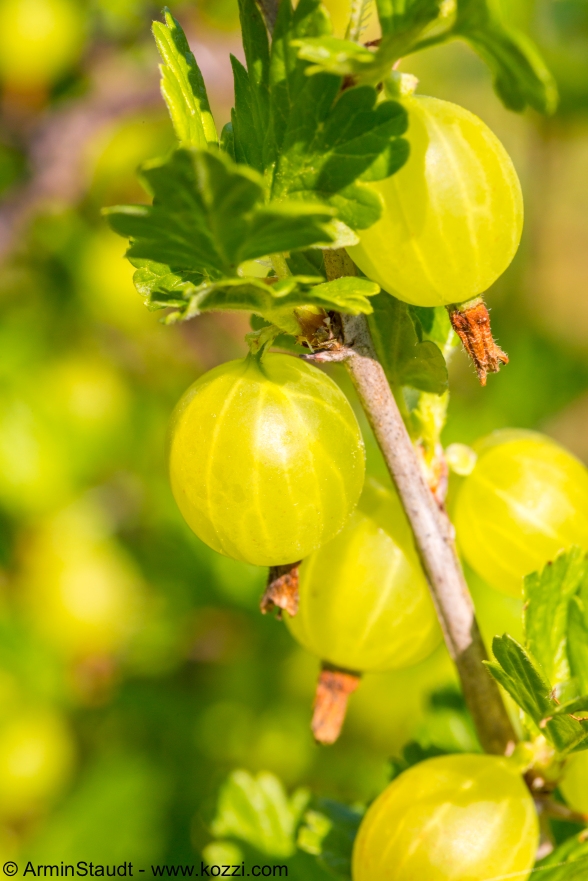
(555, 633)
(182, 86)
(434, 323)
(333, 55)
(548, 596)
(250, 117)
(208, 217)
(406, 360)
(310, 140)
(402, 21)
(577, 640)
(328, 832)
(334, 142)
(518, 674)
(568, 862)
(258, 811)
(406, 18)
(521, 77)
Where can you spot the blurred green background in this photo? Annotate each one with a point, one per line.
(135, 669)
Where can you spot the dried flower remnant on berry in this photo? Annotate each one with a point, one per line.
(471, 322)
(330, 704)
(281, 592)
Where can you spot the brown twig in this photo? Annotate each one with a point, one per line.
(432, 529)
(551, 808)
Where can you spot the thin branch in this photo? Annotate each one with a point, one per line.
(328, 356)
(557, 811)
(57, 140)
(433, 532)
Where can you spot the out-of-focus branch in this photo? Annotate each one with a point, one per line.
(56, 149)
(56, 144)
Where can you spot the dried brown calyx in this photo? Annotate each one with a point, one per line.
(471, 322)
(333, 689)
(281, 592)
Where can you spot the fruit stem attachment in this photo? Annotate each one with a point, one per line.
(433, 532)
(471, 322)
(281, 592)
(260, 340)
(333, 689)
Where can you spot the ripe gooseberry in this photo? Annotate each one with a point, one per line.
(453, 214)
(450, 818)
(39, 40)
(525, 500)
(81, 591)
(574, 782)
(36, 757)
(266, 459)
(364, 600)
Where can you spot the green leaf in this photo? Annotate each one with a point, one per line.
(287, 76)
(311, 141)
(274, 300)
(434, 323)
(568, 862)
(258, 811)
(577, 644)
(328, 833)
(518, 674)
(402, 17)
(335, 56)
(548, 594)
(208, 216)
(577, 705)
(182, 86)
(521, 77)
(336, 140)
(405, 360)
(250, 117)
(402, 24)
(523, 680)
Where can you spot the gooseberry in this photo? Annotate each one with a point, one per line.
(266, 459)
(525, 500)
(364, 600)
(81, 591)
(106, 284)
(39, 40)
(574, 782)
(452, 818)
(453, 214)
(36, 757)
